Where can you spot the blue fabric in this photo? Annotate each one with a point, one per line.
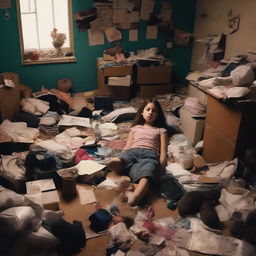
(141, 163)
(100, 220)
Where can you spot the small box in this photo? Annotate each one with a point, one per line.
(51, 200)
(150, 91)
(48, 200)
(192, 127)
(153, 75)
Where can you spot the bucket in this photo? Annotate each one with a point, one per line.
(68, 186)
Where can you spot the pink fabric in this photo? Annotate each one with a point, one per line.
(158, 229)
(116, 144)
(81, 155)
(147, 138)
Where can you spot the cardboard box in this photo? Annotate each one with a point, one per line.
(117, 71)
(217, 148)
(122, 92)
(150, 91)
(193, 128)
(49, 200)
(153, 75)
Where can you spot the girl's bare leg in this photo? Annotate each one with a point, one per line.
(115, 165)
(140, 190)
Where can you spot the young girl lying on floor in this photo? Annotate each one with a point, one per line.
(145, 153)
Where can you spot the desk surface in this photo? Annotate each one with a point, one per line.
(249, 99)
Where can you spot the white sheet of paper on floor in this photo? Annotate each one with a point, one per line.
(111, 126)
(119, 253)
(37, 186)
(88, 167)
(108, 183)
(74, 120)
(91, 234)
(86, 196)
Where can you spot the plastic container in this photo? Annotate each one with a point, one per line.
(184, 159)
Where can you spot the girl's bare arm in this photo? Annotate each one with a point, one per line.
(163, 150)
(129, 141)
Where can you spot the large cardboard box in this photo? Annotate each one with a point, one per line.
(192, 127)
(153, 75)
(150, 91)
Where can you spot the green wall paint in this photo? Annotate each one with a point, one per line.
(83, 72)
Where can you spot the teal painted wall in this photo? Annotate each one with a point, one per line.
(83, 72)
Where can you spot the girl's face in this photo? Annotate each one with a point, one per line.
(150, 113)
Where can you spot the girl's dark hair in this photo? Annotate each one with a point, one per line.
(160, 121)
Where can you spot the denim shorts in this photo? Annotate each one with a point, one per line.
(141, 163)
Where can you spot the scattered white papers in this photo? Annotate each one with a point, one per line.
(97, 112)
(133, 35)
(9, 83)
(74, 120)
(113, 34)
(111, 126)
(176, 170)
(151, 32)
(86, 196)
(108, 183)
(87, 167)
(95, 37)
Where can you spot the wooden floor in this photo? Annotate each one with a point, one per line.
(73, 210)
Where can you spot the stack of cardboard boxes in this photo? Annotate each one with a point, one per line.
(145, 81)
(118, 92)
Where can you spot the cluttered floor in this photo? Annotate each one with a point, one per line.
(194, 210)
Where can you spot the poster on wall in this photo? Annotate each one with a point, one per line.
(95, 38)
(133, 35)
(113, 34)
(4, 4)
(126, 14)
(104, 15)
(84, 18)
